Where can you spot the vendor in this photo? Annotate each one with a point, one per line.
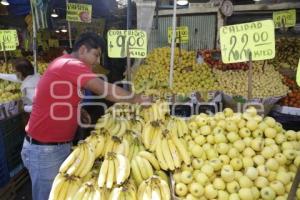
(53, 121)
(24, 75)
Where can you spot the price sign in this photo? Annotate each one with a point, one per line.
(119, 40)
(79, 12)
(182, 34)
(298, 74)
(8, 40)
(53, 43)
(255, 37)
(286, 17)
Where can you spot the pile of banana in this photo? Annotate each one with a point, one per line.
(154, 188)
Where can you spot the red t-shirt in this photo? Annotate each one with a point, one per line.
(54, 113)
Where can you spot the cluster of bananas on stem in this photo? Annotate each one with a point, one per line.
(154, 188)
(127, 191)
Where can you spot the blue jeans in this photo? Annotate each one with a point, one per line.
(43, 162)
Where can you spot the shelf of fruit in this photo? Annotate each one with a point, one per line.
(293, 97)
(213, 59)
(225, 156)
(9, 91)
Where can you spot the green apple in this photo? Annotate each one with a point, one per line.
(270, 132)
(245, 182)
(205, 130)
(200, 140)
(270, 121)
(210, 192)
(251, 173)
(239, 145)
(267, 152)
(272, 164)
(281, 159)
(196, 189)
(263, 170)
(210, 139)
(247, 162)
(222, 148)
(236, 164)
(244, 132)
(197, 151)
(207, 169)
(181, 189)
(280, 138)
(216, 164)
(261, 182)
(245, 194)
(219, 184)
(202, 178)
(284, 177)
(227, 173)
(233, 153)
(233, 187)
(220, 138)
(257, 133)
(278, 187)
(252, 124)
(223, 195)
(291, 135)
(267, 193)
(233, 136)
(224, 159)
(259, 160)
(231, 126)
(197, 163)
(249, 152)
(186, 177)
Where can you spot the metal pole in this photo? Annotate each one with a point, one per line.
(250, 74)
(69, 30)
(129, 14)
(173, 45)
(34, 40)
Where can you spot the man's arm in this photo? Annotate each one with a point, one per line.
(10, 77)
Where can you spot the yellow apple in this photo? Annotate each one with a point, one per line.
(257, 133)
(245, 182)
(249, 152)
(251, 111)
(210, 139)
(244, 132)
(231, 126)
(205, 130)
(272, 176)
(288, 187)
(197, 151)
(196, 189)
(233, 136)
(270, 132)
(297, 161)
(189, 196)
(262, 125)
(245, 194)
(293, 168)
(275, 148)
(223, 195)
(287, 145)
(267, 193)
(284, 177)
(269, 141)
(201, 121)
(251, 173)
(200, 140)
(278, 187)
(221, 123)
(181, 189)
(207, 169)
(186, 177)
(280, 138)
(247, 162)
(261, 182)
(233, 153)
(234, 196)
(196, 172)
(233, 187)
(267, 152)
(291, 135)
(281, 159)
(228, 112)
(177, 176)
(272, 164)
(197, 163)
(224, 159)
(222, 148)
(239, 145)
(186, 167)
(281, 198)
(252, 124)
(210, 192)
(227, 173)
(218, 130)
(278, 127)
(247, 141)
(270, 121)
(259, 160)
(220, 138)
(236, 164)
(263, 170)
(290, 154)
(211, 154)
(219, 184)
(255, 192)
(202, 178)
(216, 164)
(206, 146)
(242, 123)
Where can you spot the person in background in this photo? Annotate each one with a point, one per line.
(54, 118)
(24, 75)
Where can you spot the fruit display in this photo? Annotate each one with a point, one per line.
(287, 53)
(266, 82)
(214, 60)
(293, 97)
(225, 156)
(153, 75)
(9, 91)
(41, 67)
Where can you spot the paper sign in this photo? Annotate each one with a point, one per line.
(53, 43)
(298, 74)
(8, 40)
(119, 40)
(182, 34)
(255, 37)
(79, 12)
(286, 17)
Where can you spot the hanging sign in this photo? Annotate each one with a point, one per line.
(298, 74)
(288, 17)
(79, 12)
(257, 37)
(53, 43)
(182, 34)
(8, 40)
(119, 40)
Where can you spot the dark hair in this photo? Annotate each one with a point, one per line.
(90, 40)
(23, 66)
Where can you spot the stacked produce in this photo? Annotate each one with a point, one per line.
(153, 76)
(42, 67)
(293, 97)
(226, 156)
(9, 91)
(266, 82)
(287, 53)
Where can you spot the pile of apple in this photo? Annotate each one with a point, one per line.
(238, 156)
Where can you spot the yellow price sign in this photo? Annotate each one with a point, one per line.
(284, 17)
(237, 41)
(182, 34)
(120, 40)
(53, 43)
(298, 74)
(77, 12)
(8, 40)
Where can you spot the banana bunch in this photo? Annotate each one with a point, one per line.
(117, 145)
(115, 170)
(127, 191)
(97, 140)
(151, 134)
(162, 174)
(80, 161)
(142, 166)
(156, 112)
(137, 125)
(115, 126)
(171, 151)
(90, 191)
(178, 126)
(64, 187)
(135, 147)
(154, 188)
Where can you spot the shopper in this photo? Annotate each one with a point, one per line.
(53, 120)
(24, 75)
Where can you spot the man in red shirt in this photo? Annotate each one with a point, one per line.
(53, 121)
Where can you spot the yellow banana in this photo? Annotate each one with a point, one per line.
(116, 128)
(64, 190)
(151, 158)
(101, 123)
(74, 187)
(84, 160)
(184, 154)
(156, 135)
(74, 167)
(155, 192)
(56, 187)
(167, 154)
(136, 172)
(174, 153)
(80, 193)
(160, 157)
(184, 127)
(141, 190)
(86, 194)
(111, 174)
(90, 161)
(147, 135)
(103, 173)
(115, 194)
(148, 193)
(123, 128)
(155, 112)
(144, 166)
(70, 160)
(109, 146)
(122, 169)
(162, 175)
(164, 190)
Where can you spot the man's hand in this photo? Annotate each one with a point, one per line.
(141, 99)
(85, 117)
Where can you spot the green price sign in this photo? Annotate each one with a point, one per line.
(182, 34)
(8, 40)
(237, 41)
(120, 40)
(53, 43)
(285, 18)
(77, 12)
(298, 74)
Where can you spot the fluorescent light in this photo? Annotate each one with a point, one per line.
(64, 30)
(54, 14)
(57, 31)
(5, 2)
(182, 2)
(256, 0)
